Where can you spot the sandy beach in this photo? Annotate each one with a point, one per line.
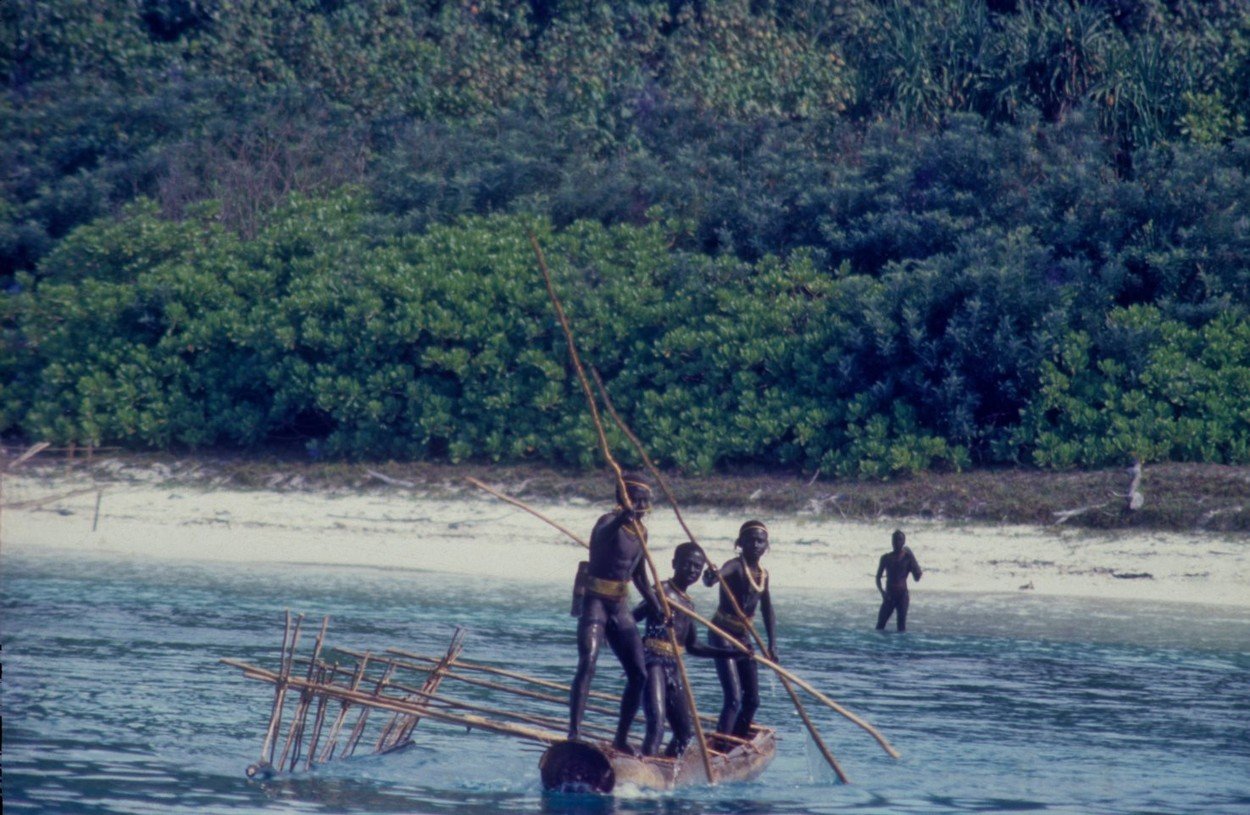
(475, 533)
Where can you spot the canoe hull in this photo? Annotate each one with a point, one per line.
(578, 766)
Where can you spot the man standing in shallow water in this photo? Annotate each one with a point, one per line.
(616, 559)
(896, 565)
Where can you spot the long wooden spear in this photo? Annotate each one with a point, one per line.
(819, 696)
(620, 481)
(802, 683)
(516, 503)
(726, 591)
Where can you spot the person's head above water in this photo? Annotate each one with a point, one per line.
(638, 489)
(753, 540)
(899, 540)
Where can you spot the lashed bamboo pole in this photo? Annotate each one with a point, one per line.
(435, 698)
(482, 683)
(727, 592)
(541, 683)
(296, 734)
(349, 748)
(318, 721)
(371, 700)
(661, 595)
(270, 745)
(432, 680)
(327, 752)
(490, 669)
(274, 710)
(554, 722)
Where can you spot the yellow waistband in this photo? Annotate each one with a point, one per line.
(608, 588)
(730, 623)
(659, 646)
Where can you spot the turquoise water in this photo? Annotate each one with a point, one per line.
(114, 702)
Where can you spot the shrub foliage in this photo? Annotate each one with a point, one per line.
(868, 237)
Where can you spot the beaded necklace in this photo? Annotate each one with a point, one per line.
(763, 581)
(679, 592)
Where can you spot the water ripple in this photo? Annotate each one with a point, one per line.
(114, 701)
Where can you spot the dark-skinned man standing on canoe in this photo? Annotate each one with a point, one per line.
(616, 560)
(747, 581)
(665, 696)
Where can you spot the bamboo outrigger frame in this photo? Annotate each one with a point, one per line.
(329, 703)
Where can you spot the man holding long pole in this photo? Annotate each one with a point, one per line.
(616, 560)
(747, 581)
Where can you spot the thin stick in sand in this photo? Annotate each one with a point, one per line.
(31, 452)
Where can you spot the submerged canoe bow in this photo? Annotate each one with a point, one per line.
(583, 766)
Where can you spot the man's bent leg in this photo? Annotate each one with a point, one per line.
(626, 643)
(887, 608)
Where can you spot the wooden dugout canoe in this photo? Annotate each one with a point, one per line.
(582, 766)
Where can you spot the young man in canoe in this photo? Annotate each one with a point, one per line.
(616, 560)
(665, 694)
(896, 565)
(747, 581)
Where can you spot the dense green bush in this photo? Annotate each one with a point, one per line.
(868, 237)
(439, 345)
(184, 100)
(1152, 389)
